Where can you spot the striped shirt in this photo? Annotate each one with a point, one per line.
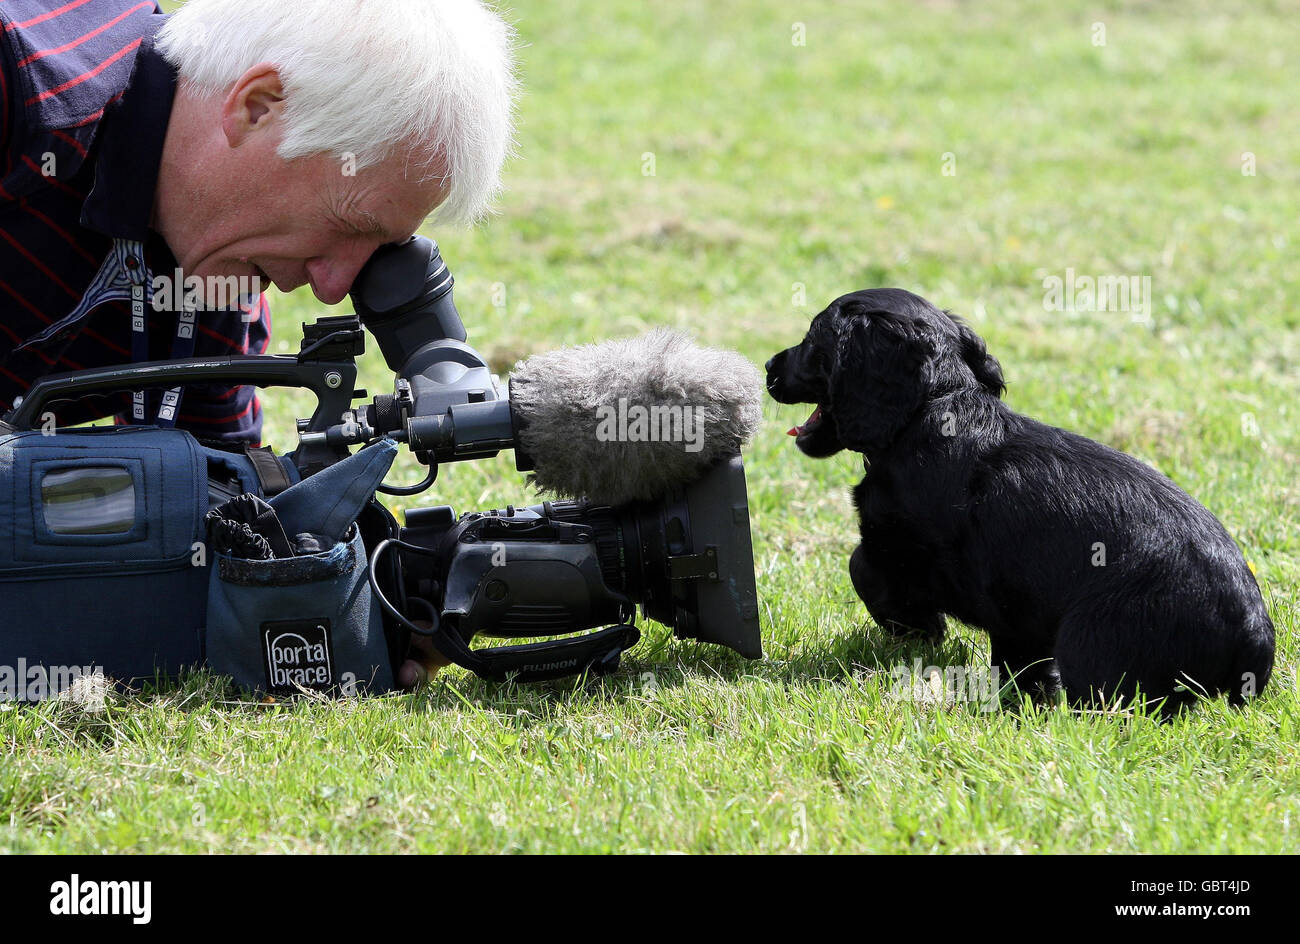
(84, 105)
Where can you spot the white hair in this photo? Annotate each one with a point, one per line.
(364, 77)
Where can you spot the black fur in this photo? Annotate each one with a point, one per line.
(972, 510)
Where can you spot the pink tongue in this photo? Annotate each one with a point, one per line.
(798, 430)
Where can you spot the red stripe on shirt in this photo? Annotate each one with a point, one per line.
(4, 128)
(50, 93)
(81, 39)
(229, 342)
(28, 208)
(24, 384)
(18, 338)
(117, 348)
(40, 265)
(95, 335)
(24, 302)
(52, 180)
(91, 119)
(70, 140)
(49, 361)
(50, 15)
(227, 395)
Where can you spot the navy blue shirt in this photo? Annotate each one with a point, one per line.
(84, 105)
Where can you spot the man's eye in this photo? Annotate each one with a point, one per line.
(357, 230)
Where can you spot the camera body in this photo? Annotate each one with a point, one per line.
(545, 572)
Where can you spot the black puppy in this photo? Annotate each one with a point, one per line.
(1089, 570)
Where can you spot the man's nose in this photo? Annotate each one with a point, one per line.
(332, 276)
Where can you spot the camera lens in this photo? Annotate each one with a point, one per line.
(687, 559)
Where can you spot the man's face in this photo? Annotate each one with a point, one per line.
(312, 225)
(245, 211)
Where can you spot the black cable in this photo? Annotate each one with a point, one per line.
(411, 489)
(445, 641)
(383, 599)
(321, 342)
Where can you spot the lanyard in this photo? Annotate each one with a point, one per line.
(182, 342)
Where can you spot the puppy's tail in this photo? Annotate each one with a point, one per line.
(1254, 659)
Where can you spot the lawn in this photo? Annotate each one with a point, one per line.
(968, 152)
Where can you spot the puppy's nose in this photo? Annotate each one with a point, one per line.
(774, 371)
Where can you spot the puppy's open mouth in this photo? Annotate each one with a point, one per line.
(809, 425)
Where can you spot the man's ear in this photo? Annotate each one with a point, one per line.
(256, 98)
(985, 366)
(879, 379)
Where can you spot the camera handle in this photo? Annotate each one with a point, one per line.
(326, 366)
(597, 653)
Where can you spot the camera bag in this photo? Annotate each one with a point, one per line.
(106, 567)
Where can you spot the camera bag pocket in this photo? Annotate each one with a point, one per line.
(286, 624)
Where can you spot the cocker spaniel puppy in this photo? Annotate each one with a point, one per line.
(1089, 570)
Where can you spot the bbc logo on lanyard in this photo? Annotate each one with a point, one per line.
(137, 308)
(137, 325)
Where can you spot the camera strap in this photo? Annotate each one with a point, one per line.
(597, 653)
(271, 475)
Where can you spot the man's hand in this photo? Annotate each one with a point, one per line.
(422, 661)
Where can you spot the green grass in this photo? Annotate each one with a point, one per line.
(820, 164)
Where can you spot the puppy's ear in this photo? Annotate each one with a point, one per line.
(985, 366)
(878, 380)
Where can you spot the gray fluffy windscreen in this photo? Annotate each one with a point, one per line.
(633, 419)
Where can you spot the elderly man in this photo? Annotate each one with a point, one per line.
(244, 141)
